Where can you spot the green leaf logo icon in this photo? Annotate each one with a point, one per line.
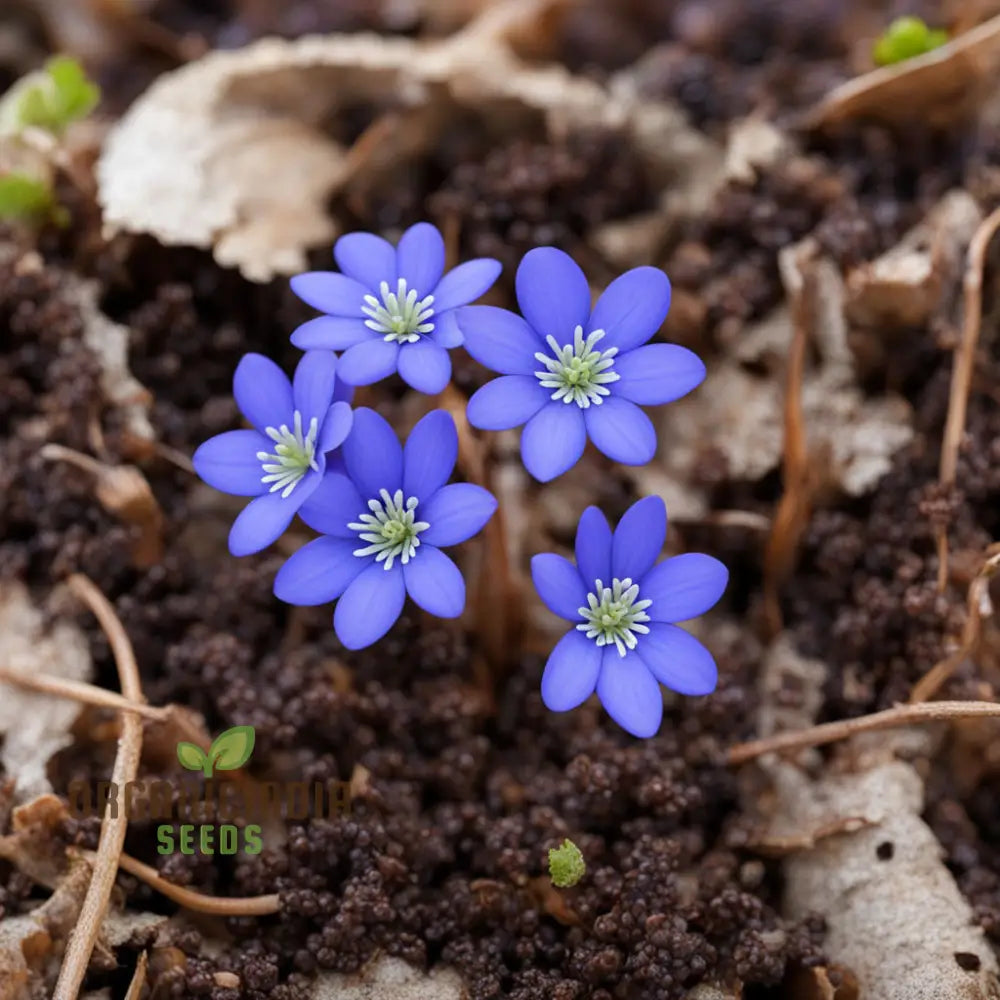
(229, 750)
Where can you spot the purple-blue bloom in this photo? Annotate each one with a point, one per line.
(384, 522)
(624, 606)
(568, 372)
(391, 308)
(280, 461)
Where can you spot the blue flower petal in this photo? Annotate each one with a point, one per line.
(373, 455)
(262, 391)
(329, 292)
(366, 258)
(336, 427)
(342, 392)
(559, 585)
(638, 539)
(621, 431)
(370, 606)
(683, 587)
(456, 513)
(425, 366)
(571, 672)
(420, 259)
(553, 440)
(333, 505)
(429, 455)
(331, 333)
(465, 283)
(630, 693)
(553, 293)
(319, 572)
(434, 583)
(261, 522)
(657, 373)
(368, 362)
(507, 401)
(229, 462)
(500, 339)
(312, 385)
(593, 548)
(678, 660)
(447, 333)
(632, 308)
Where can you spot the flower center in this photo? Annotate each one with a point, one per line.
(399, 316)
(294, 453)
(391, 529)
(577, 372)
(614, 615)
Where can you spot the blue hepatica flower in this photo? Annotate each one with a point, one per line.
(384, 522)
(392, 308)
(280, 461)
(569, 373)
(625, 643)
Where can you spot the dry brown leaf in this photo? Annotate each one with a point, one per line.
(937, 88)
(34, 846)
(875, 873)
(390, 979)
(31, 944)
(905, 287)
(36, 726)
(244, 167)
(739, 416)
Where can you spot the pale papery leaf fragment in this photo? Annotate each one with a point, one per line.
(244, 166)
(35, 726)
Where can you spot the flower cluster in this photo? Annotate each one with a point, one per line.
(384, 510)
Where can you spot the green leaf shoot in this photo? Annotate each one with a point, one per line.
(192, 757)
(566, 864)
(905, 38)
(24, 198)
(50, 98)
(232, 748)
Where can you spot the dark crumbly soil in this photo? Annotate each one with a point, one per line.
(437, 860)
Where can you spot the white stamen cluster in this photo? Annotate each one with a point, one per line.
(391, 529)
(399, 316)
(614, 615)
(577, 372)
(294, 453)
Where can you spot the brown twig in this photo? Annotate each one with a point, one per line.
(113, 826)
(235, 906)
(977, 605)
(86, 694)
(961, 375)
(891, 718)
(792, 512)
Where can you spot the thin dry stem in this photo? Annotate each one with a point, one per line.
(113, 827)
(235, 906)
(978, 604)
(961, 375)
(792, 512)
(891, 718)
(86, 694)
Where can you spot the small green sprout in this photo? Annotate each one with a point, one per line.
(50, 98)
(27, 199)
(905, 38)
(566, 864)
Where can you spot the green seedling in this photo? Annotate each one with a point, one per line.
(566, 864)
(229, 750)
(905, 38)
(27, 199)
(51, 98)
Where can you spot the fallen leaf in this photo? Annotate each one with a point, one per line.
(36, 726)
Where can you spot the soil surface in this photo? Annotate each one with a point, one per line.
(469, 779)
